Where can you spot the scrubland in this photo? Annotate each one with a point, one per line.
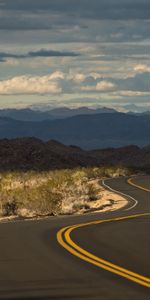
(35, 194)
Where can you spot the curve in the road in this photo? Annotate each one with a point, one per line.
(135, 202)
(65, 240)
(130, 181)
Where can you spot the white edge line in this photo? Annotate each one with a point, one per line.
(108, 187)
(103, 183)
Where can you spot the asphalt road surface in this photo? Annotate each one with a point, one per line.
(109, 258)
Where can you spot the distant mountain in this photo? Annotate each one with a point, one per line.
(87, 131)
(30, 115)
(139, 113)
(146, 113)
(65, 112)
(134, 108)
(34, 154)
(57, 113)
(25, 114)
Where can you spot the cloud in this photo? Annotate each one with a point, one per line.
(55, 14)
(104, 86)
(40, 53)
(104, 9)
(51, 53)
(22, 85)
(141, 68)
(78, 77)
(100, 86)
(5, 55)
(106, 49)
(57, 75)
(140, 82)
(133, 93)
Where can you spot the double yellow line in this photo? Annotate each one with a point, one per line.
(64, 239)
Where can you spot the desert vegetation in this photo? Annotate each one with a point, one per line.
(32, 194)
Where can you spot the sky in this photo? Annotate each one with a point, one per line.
(74, 53)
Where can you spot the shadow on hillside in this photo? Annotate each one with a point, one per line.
(31, 154)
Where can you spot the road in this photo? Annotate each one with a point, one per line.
(110, 258)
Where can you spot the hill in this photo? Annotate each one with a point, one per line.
(34, 154)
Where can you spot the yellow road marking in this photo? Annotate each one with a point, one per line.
(130, 181)
(64, 239)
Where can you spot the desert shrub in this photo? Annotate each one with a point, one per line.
(10, 208)
(43, 193)
(79, 176)
(92, 192)
(94, 173)
(116, 171)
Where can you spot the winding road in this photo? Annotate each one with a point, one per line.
(102, 256)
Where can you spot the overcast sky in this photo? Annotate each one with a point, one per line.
(74, 52)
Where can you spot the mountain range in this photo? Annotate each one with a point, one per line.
(87, 131)
(32, 115)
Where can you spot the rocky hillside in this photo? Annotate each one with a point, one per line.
(34, 154)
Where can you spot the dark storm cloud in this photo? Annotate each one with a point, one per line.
(40, 53)
(102, 9)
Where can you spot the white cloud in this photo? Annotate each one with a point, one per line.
(105, 85)
(96, 75)
(57, 75)
(141, 68)
(100, 86)
(79, 77)
(31, 85)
